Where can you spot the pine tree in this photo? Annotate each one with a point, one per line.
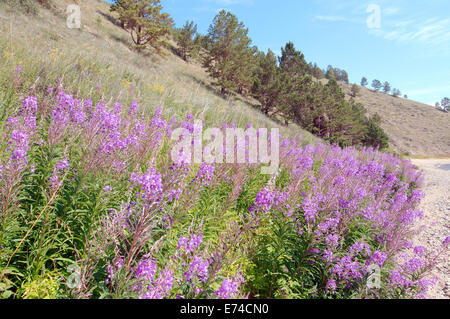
(364, 82)
(145, 22)
(396, 93)
(268, 82)
(355, 90)
(185, 39)
(375, 136)
(292, 61)
(386, 87)
(331, 74)
(229, 58)
(376, 118)
(315, 71)
(445, 104)
(376, 84)
(344, 76)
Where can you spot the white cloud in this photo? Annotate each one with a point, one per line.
(431, 31)
(389, 11)
(331, 18)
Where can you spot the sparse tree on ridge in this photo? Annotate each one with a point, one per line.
(376, 84)
(344, 76)
(315, 71)
(337, 74)
(396, 93)
(331, 74)
(386, 87)
(445, 104)
(364, 82)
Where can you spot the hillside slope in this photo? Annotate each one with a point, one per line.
(413, 128)
(99, 55)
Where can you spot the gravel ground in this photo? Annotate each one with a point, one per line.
(436, 207)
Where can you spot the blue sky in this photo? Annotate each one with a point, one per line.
(411, 49)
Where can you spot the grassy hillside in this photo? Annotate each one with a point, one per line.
(413, 128)
(99, 55)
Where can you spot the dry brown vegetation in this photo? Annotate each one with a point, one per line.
(414, 128)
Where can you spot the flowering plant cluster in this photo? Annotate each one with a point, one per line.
(92, 183)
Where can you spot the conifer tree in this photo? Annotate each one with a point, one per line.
(364, 82)
(315, 71)
(229, 53)
(386, 87)
(396, 93)
(145, 22)
(268, 82)
(355, 90)
(331, 73)
(375, 136)
(292, 61)
(445, 104)
(185, 38)
(344, 76)
(376, 84)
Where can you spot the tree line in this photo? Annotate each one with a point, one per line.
(444, 105)
(286, 86)
(385, 87)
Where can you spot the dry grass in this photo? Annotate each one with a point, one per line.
(414, 128)
(100, 54)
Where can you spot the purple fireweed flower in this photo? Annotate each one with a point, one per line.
(331, 286)
(61, 167)
(229, 288)
(267, 199)
(146, 270)
(419, 251)
(198, 268)
(190, 245)
(150, 184)
(134, 107)
(113, 268)
(378, 258)
(205, 174)
(446, 241)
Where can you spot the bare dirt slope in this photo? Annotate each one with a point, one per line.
(436, 207)
(413, 128)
